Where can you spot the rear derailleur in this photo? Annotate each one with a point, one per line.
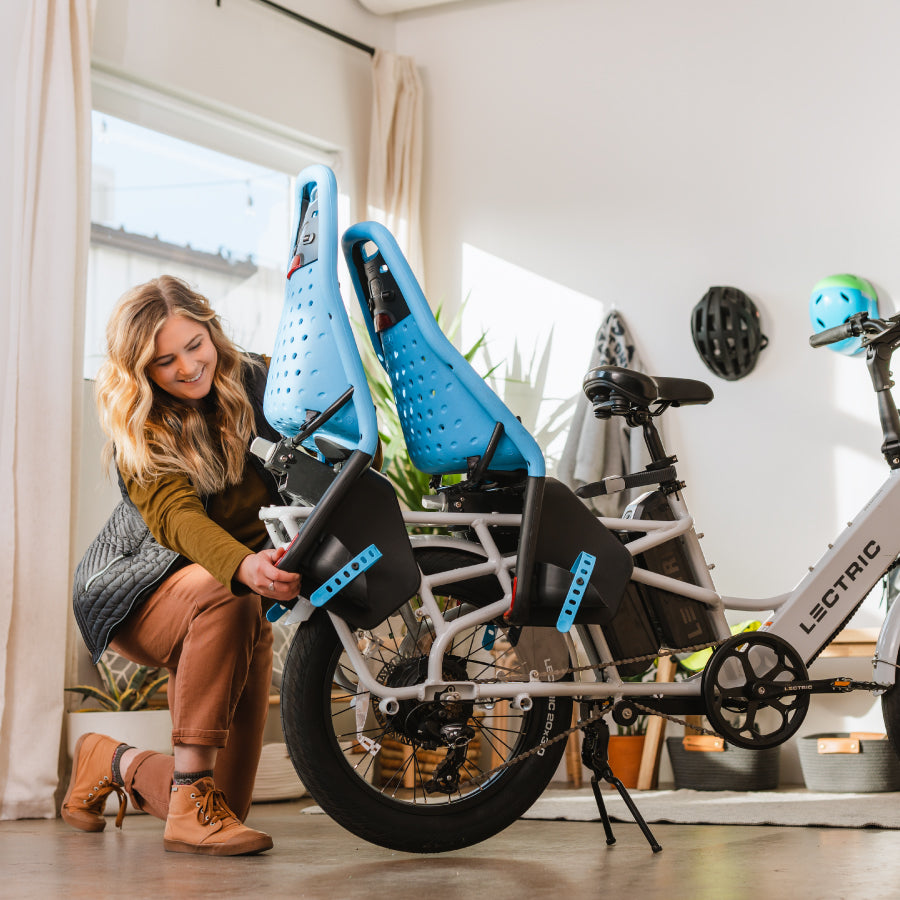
(445, 779)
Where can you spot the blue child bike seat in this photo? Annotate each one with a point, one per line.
(315, 360)
(317, 396)
(454, 423)
(448, 413)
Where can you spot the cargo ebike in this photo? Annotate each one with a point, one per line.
(439, 654)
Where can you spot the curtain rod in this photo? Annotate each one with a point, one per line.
(319, 27)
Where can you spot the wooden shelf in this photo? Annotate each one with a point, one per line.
(852, 642)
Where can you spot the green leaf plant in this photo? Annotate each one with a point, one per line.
(137, 693)
(523, 387)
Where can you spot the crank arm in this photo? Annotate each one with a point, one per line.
(771, 690)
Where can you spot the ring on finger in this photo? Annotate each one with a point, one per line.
(271, 585)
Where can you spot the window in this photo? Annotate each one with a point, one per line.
(162, 205)
(217, 213)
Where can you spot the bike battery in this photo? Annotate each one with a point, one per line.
(632, 633)
(679, 621)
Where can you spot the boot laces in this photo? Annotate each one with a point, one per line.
(97, 798)
(214, 807)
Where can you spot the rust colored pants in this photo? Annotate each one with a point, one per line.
(218, 650)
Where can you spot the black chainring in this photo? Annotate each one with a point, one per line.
(738, 684)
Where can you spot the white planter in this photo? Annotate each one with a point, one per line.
(146, 729)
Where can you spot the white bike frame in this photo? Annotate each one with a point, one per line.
(807, 617)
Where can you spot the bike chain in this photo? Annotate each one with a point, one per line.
(607, 706)
(540, 747)
(555, 674)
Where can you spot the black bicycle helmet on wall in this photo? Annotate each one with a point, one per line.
(727, 334)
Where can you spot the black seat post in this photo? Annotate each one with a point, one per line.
(652, 437)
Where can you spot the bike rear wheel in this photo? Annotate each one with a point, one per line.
(389, 796)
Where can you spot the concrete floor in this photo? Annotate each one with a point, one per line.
(315, 858)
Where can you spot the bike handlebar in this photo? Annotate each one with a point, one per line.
(873, 331)
(833, 335)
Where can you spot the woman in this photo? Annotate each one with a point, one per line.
(180, 405)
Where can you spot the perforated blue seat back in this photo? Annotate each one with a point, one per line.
(447, 411)
(315, 359)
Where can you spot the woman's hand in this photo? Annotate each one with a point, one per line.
(258, 572)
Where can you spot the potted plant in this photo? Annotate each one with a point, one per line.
(124, 709)
(626, 743)
(626, 750)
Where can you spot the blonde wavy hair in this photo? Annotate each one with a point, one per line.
(151, 433)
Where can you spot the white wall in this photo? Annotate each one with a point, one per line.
(636, 153)
(257, 61)
(640, 152)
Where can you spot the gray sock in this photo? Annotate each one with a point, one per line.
(116, 762)
(190, 777)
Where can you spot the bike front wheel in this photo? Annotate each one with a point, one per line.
(390, 779)
(890, 709)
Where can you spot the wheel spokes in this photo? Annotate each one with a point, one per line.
(403, 764)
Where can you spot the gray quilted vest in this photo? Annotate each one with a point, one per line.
(125, 563)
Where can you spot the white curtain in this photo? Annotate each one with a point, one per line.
(395, 153)
(41, 330)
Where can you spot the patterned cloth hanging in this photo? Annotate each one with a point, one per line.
(597, 448)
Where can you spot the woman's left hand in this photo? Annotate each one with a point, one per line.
(258, 571)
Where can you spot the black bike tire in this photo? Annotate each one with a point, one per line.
(890, 710)
(374, 816)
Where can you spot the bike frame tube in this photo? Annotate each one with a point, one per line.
(807, 617)
(825, 599)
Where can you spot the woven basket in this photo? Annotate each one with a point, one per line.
(849, 762)
(725, 768)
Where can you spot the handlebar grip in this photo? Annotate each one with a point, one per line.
(833, 335)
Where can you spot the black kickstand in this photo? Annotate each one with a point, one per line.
(595, 754)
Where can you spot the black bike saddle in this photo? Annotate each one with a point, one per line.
(642, 389)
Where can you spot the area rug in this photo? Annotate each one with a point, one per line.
(783, 807)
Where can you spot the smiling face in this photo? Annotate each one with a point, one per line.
(184, 359)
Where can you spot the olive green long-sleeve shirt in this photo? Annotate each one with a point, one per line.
(218, 537)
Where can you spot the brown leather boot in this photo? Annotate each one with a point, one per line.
(200, 821)
(92, 783)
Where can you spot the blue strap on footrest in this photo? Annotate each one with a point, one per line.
(362, 561)
(582, 569)
(275, 612)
